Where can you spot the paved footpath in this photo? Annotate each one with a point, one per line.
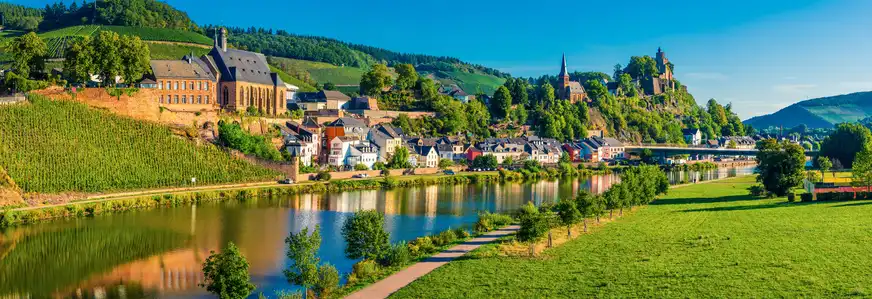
(397, 281)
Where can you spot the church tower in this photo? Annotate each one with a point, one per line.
(564, 80)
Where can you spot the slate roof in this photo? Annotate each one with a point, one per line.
(689, 131)
(322, 96)
(245, 66)
(388, 130)
(347, 122)
(188, 68)
(575, 87)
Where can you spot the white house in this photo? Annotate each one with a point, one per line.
(291, 93)
(340, 148)
(365, 153)
(427, 156)
(692, 136)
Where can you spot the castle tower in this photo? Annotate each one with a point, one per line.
(564, 80)
(221, 39)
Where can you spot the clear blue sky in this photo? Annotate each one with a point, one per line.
(761, 55)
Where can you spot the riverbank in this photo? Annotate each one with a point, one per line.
(185, 196)
(707, 240)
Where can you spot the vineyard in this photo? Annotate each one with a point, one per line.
(59, 146)
(57, 40)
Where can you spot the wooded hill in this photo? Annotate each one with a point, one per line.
(819, 113)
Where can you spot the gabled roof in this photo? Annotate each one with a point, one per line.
(388, 130)
(689, 131)
(245, 66)
(188, 68)
(347, 122)
(575, 88)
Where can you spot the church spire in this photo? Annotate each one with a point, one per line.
(563, 67)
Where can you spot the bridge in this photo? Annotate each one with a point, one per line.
(668, 151)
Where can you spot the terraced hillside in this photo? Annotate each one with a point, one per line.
(59, 146)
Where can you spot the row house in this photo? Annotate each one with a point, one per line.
(184, 85)
(544, 150)
(503, 148)
(425, 156)
(602, 148)
(340, 148)
(738, 142)
(365, 153)
(575, 151)
(388, 138)
(302, 141)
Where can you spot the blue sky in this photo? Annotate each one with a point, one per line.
(760, 55)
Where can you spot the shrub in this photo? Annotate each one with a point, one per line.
(363, 270)
(806, 197)
(533, 227)
(489, 221)
(361, 166)
(444, 238)
(756, 190)
(322, 176)
(389, 183)
(421, 246)
(398, 255)
(328, 281)
(483, 225)
(791, 197)
(461, 233)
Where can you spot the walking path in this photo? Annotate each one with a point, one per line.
(397, 281)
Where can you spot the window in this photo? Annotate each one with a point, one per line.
(199, 99)
(184, 85)
(184, 99)
(199, 85)
(176, 85)
(206, 86)
(177, 99)
(207, 98)
(192, 87)
(160, 99)
(160, 86)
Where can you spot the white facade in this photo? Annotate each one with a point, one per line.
(340, 148)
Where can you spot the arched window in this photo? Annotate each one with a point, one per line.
(225, 96)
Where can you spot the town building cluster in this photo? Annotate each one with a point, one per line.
(347, 142)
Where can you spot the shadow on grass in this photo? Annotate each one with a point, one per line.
(765, 206)
(701, 200)
(852, 204)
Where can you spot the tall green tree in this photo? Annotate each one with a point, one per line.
(641, 66)
(780, 166)
(501, 102)
(568, 212)
(845, 142)
(407, 76)
(134, 58)
(107, 59)
(823, 164)
(861, 172)
(78, 60)
(375, 80)
(428, 91)
(400, 158)
(365, 235)
(28, 54)
(303, 254)
(226, 274)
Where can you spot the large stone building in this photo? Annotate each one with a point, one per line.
(664, 81)
(245, 80)
(184, 85)
(572, 91)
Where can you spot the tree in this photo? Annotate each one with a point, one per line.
(134, 56)
(508, 161)
(861, 172)
(226, 274)
(501, 102)
(400, 158)
(303, 254)
(845, 142)
(569, 214)
(373, 82)
(78, 63)
(429, 93)
(641, 66)
(485, 162)
(478, 118)
(445, 163)
(824, 164)
(365, 235)
(328, 281)
(406, 76)
(519, 114)
(28, 54)
(329, 86)
(361, 166)
(780, 165)
(107, 61)
(618, 72)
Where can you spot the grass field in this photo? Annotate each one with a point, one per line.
(169, 51)
(319, 71)
(304, 87)
(706, 240)
(473, 83)
(59, 146)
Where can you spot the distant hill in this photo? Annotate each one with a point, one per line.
(819, 113)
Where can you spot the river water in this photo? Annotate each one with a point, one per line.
(159, 252)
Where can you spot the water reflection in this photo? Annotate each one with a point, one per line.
(158, 253)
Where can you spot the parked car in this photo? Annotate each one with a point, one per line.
(449, 172)
(362, 175)
(286, 181)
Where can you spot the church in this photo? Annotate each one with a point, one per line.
(572, 91)
(245, 79)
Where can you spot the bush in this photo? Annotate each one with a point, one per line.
(328, 281)
(533, 227)
(806, 197)
(483, 225)
(363, 270)
(421, 246)
(461, 233)
(756, 190)
(444, 238)
(398, 255)
(489, 221)
(323, 176)
(791, 197)
(361, 166)
(365, 235)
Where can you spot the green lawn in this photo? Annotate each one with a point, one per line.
(707, 240)
(304, 87)
(169, 51)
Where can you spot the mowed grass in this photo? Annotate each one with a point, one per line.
(706, 240)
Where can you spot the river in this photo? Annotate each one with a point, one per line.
(158, 252)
